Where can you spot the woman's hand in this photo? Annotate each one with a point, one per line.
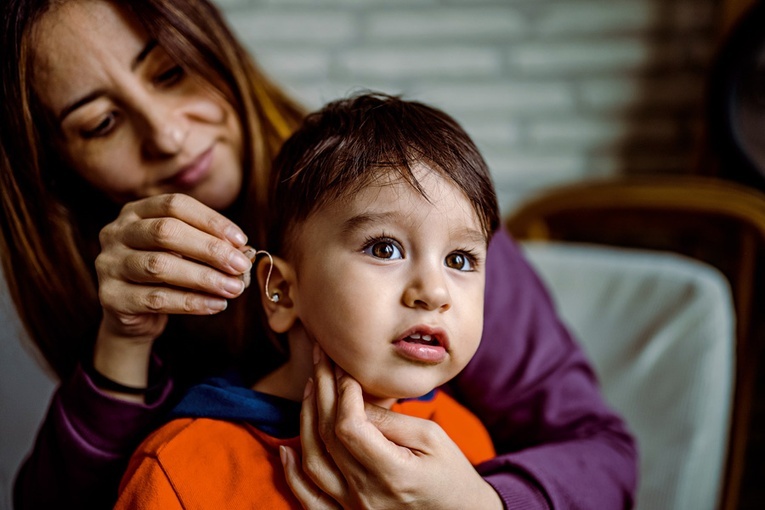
(167, 254)
(357, 455)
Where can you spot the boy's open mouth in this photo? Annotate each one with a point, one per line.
(417, 338)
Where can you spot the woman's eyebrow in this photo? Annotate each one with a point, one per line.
(99, 92)
(143, 54)
(79, 102)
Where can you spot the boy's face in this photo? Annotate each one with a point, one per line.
(391, 285)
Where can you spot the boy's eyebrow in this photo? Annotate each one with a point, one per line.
(470, 235)
(359, 221)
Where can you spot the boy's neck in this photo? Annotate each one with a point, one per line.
(289, 380)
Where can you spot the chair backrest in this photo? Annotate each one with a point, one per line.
(715, 221)
(659, 330)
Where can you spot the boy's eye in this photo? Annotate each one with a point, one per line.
(387, 249)
(459, 261)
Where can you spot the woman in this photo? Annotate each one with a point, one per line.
(136, 141)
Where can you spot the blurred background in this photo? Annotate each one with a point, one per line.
(552, 91)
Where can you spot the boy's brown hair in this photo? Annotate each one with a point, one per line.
(339, 149)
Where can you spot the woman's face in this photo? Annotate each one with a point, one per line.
(132, 122)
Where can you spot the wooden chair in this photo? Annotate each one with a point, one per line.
(714, 221)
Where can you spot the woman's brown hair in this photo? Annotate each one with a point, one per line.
(51, 218)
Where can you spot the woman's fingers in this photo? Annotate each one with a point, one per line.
(174, 234)
(327, 402)
(167, 254)
(156, 267)
(309, 495)
(370, 444)
(191, 212)
(326, 396)
(128, 300)
(369, 457)
(170, 245)
(317, 462)
(408, 461)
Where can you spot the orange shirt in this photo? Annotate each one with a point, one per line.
(208, 463)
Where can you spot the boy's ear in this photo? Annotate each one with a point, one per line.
(277, 296)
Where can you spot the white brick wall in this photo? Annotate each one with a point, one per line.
(551, 90)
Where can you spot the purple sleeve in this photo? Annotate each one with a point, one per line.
(83, 447)
(559, 444)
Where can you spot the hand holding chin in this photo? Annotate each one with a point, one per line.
(357, 455)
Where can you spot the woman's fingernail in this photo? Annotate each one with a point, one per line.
(283, 455)
(240, 262)
(236, 236)
(233, 286)
(316, 354)
(308, 388)
(216, 305)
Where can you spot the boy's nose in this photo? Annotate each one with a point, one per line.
(428, 290)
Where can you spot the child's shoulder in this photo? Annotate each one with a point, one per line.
(207, 463)
(187, 436)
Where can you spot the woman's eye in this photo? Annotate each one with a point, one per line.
(459, 261)
(102, 129)
(387, 249)
(170, 76)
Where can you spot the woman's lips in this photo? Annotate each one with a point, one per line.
(191, 174)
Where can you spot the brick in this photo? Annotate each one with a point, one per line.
(514, 164)
(449, 24)
(311, 96)
(599, 18)
(314, 93)
(501, 98)
(626, 54)
(267, 27)
(415, 62)
(488, 133)
(621, 94)
(293, 64)
(600, 132)
(356, 4)
(647, 162)
(231, 5)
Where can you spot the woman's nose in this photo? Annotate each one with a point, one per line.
(166, 131)
(428, 289)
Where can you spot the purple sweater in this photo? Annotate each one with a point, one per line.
(560, 446)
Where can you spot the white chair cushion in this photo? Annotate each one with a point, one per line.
(659, 329)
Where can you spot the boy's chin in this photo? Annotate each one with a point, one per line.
(392, 397)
